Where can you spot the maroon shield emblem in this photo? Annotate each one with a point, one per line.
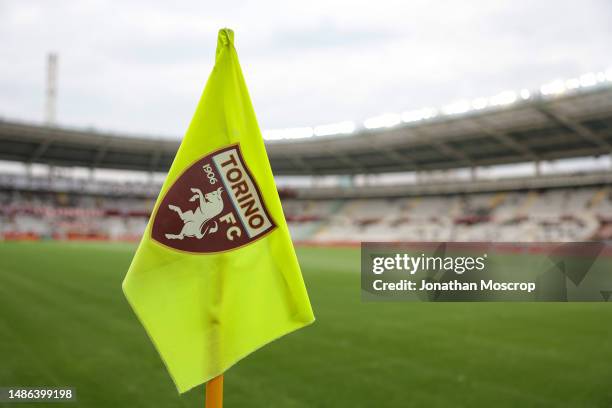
(215, 205)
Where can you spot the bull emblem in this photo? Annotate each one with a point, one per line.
(211, 205)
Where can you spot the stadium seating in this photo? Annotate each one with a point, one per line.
(566, 214)
(533, 216)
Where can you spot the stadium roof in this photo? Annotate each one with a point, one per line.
(570, 124)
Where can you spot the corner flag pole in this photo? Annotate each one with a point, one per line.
(214, 393)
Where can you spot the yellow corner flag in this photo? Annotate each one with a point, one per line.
(215, 276)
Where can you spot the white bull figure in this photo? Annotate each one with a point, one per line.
(211, 205)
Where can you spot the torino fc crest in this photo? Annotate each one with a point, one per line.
(213, 206)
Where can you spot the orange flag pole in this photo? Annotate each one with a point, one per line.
(214, 393)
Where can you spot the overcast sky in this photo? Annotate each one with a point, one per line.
(140, 66)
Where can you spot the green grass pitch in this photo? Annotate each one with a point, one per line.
(64, 322)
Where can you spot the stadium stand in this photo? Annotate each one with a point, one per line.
(560, 214)
(559, 122)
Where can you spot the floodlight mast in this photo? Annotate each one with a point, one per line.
(51, 91)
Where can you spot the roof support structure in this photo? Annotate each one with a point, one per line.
(99, 156)
(507, 141)
(39, 151)
(457, 154)
(576, 127)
